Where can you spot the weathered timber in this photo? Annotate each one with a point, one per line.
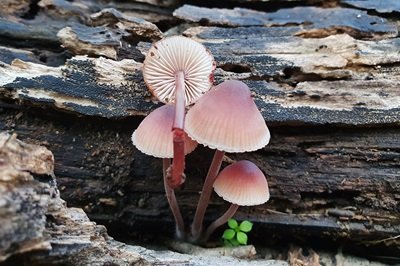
(133, 25)
(82, 10)
(364, 93)
(38, 229)
(316, 22)
(14, 7)
(337, 177)
(108, 34)
(387, 6)
(336, 182)
(117, 93)
(23, 200)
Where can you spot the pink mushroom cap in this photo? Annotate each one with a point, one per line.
(242, 183)
(227, 119)
(154, 135)
(171, 55)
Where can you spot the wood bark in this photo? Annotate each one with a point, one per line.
(325, 79)
(38, 229)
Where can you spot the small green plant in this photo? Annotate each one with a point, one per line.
(236, 235)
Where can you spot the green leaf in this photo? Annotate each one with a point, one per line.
(232, 223)
(228, 234)
(234, 242)
(246, 226)
(227, 243)
(241, 238)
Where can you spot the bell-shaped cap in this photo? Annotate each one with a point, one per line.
(154, 135)
(170, 55)
(242, 183)
(227, 119)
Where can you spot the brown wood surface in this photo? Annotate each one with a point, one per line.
(328, 86)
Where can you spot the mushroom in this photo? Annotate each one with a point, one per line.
(178, 70)
(242, 184)
(225, 119)
(153, 137)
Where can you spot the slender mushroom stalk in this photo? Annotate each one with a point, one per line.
(242, 184)
(220, 221)
(202, 204)
(179, 70)
(153, 137)
(178, 164)
(217, 122)
(173, 204)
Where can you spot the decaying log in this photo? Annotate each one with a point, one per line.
(110, 40)
(339, 182)
(363, 69)
(332, 101)
(387, 6)
(37, 225)
(323, 22)
(13, 7)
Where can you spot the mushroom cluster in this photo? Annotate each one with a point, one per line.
(179, 72)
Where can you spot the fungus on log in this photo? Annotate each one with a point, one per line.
(331, 101)
(38, 228)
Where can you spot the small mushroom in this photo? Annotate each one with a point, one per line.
(242, 184)
(225, 119)
(178, 70)
(153, 137)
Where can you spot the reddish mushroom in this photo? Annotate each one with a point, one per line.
(179, 70)
(153, 137)
(242, 184)
(225, 119)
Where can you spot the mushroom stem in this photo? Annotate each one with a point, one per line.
(173, 204)
(178, 164)
(179, 100)
(206, 194)
(220, 221)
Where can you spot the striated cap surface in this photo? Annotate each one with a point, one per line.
(173, 54)
(227, 119)
(154, 135)
(242, 183)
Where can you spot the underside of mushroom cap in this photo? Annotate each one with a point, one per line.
(154, 135)
(242, 183)
(170, 55)
(227, 119)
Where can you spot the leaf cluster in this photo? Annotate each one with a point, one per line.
(236, 235)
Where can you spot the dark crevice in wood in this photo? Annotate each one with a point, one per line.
(294, 75)
(33, 10)
(390, 16)
(236, 68)
(267, 6)
(9, 41)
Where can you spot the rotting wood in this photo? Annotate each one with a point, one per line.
(365, 92)
(65, 9)
(14, 7)
(135, 26)
(316, 22)
(118, 92)
(386, 6)
(327, 181)
(82, 10)
(97, 41)
(310, 173)
(38, 228)
(107, 35)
